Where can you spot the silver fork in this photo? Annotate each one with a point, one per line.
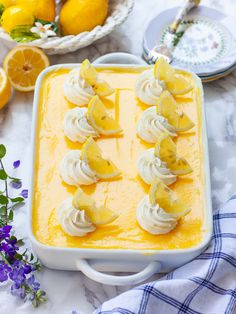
(165, 50)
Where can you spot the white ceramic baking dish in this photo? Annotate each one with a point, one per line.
(94, 262)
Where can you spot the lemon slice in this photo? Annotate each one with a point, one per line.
(160, 194)
(90, 75)
(165, 149)
(163, 71)
(5, 89)
(178, 85)
(97, 215)
(23, 65)
(168, 108)
(99, 118)
(92, 155)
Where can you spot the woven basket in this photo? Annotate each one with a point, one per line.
(118, 12)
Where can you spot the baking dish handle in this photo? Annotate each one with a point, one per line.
(151, 269)
(119, 58)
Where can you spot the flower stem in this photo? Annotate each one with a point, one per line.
(6, 192)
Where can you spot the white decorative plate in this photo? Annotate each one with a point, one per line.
(203, 43)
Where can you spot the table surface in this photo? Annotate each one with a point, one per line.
(69, 291)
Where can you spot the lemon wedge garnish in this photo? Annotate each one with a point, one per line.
(175, 83)
(92, 155)
(102, 88)
(178, 85)
(160, 194)
(23, 65)
(163, 71)
(165, 149)
(90, 75)
(98, 215)
(100, 119)
(5, 89)
(168, 108)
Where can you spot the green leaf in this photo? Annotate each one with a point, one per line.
(2, 151)
(18, 257)
(11, 215)
(14, 179)
(17, 200)
(20, 242)
(2, 8)
(3, 210)
(3, 175)
(31, 257)
(22, 34)
(3, 200)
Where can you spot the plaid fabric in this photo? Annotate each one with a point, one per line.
(206, 285)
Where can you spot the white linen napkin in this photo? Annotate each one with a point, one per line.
(206, 285)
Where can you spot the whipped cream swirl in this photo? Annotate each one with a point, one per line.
(151, 125)
(154, 219)
(76, 172)
(76, 126)
(151, 167)
(76, 90)
(148, 89)
(73, 221)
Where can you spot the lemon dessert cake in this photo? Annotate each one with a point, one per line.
(119, 159)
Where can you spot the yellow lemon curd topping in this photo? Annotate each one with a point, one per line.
(123, 194)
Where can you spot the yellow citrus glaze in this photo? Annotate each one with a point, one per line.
(122, 195)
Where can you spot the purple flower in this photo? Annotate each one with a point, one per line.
(24, 193)
(33, 283)
(27, 269)
(18, 291)
(8, 249)
(16, 164)
(5, 232)
(12, 241)
(18, 276)
(16, 184)
(4, 271)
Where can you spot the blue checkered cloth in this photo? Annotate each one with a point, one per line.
(206, 285)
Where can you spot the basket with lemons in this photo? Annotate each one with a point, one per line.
(60, 27)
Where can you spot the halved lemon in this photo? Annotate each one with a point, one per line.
(175, 82)
(165, 149)
(90, 75)
(97, 215)
(168, 108)
(23, 65)
(92, 155)
(163, 71)
(100, 119)
(5, 89)
(160, 194)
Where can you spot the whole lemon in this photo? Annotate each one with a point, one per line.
(15, 16)
(41, 9)
(78, 16)
(7, 3)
